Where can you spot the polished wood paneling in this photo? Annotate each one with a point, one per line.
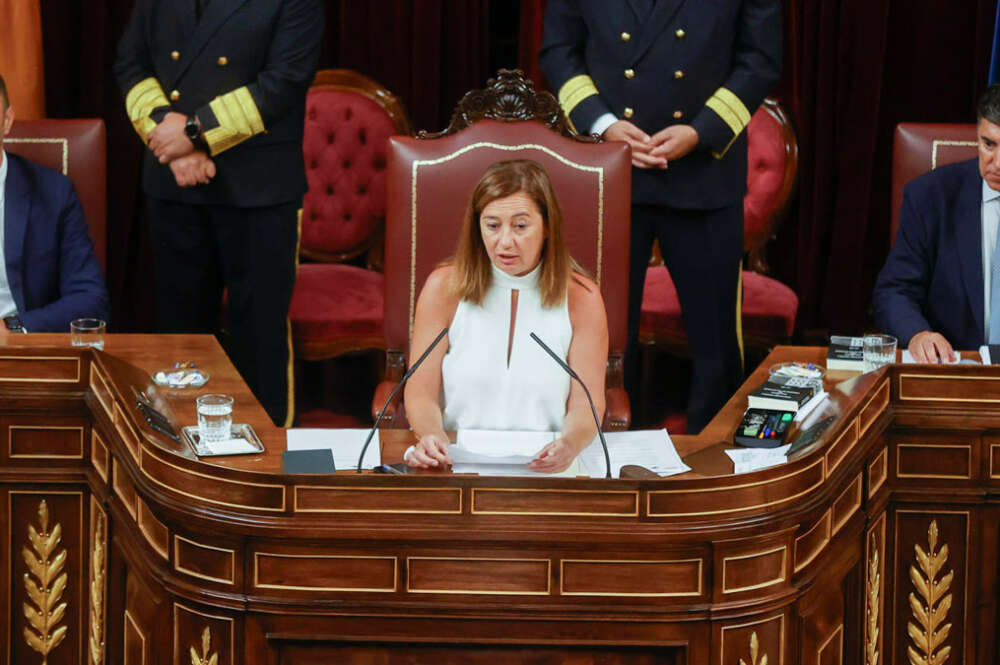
(664, 579)
(568, 503)
(324, 573)
(45, 441)
(205, 562)
(100, 456)
(486, 576)
(399, 500)
(42, 370)
(156, 532)
(753, 571)
(934, 461)
(209, 636)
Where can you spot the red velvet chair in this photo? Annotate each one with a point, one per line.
(432, 176)
(919, 147)
(769, 307)
(77, 149)
(337, 302)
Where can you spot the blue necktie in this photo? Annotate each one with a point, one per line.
(994, 290)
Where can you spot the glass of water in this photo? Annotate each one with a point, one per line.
(87, 332)
(215, 418)
(879, 350)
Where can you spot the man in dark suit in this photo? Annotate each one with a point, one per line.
(224, 173)
(677, 80)
(49, 274)
(940, 286)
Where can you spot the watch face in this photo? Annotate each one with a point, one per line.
(191, 129)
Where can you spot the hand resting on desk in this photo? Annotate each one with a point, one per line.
(930, 347)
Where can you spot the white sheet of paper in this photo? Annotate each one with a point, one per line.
(907, 359)
(810, 406)
(344, 443)
(652, 449)
(230, 447)
(753, 459)
(514, 470)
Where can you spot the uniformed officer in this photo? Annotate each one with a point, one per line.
(217, 89)
(677, 80)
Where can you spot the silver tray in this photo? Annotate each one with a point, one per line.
(238, 431)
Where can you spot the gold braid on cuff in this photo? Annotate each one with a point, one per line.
(238, 118)
(575, 91)
(140, 101)
(733, 112)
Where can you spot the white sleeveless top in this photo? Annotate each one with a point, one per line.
(480, 390)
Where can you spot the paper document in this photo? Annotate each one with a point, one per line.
(238, 446)
(344, 443)
(753, 459)
(652, 449)
(907, 359)
(496, 452)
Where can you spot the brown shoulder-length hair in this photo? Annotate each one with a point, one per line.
(472, 273)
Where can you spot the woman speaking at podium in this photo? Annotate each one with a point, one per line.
(510, 276)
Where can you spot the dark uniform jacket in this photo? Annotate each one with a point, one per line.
(706, 63)
(244, 68)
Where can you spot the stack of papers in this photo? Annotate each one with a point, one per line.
(907, 359)
(345, 444)
(746, 460)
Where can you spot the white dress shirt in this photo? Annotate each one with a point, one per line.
(991, 221)
(7, 306)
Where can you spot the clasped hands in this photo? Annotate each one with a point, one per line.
(171, 146)
(656, 151)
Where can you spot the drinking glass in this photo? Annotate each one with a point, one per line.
(87, 332)
(879, 350)
(215, 418)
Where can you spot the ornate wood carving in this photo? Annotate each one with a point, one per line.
(510, 97)
(931, 609)
(44, 585)
(754, 652)
(206, 644)
(98, 584)
(872, 607)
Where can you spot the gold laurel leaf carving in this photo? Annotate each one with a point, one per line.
(206, 644)
(931, 609)
(44, 584)
(872, 608)
(97, 588)
(755, 652)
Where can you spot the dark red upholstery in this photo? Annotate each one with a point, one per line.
(769, 307)
(337, 308)
(77, 149)
(429, 185)
(919, 147)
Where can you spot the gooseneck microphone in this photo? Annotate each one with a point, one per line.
(395, 390)
(569, 370)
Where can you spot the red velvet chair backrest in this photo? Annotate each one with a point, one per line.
(430, 181)
(77, 149)
(919, 147)
(773, 163)
(349, 119)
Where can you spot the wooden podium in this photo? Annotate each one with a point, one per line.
(878, 543)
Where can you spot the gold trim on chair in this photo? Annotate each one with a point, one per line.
(58, 141)
(955, 144)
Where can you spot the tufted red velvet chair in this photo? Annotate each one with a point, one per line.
(337, 303)
(76, 148)
(432, 176)
(919, 147)
(769, 307)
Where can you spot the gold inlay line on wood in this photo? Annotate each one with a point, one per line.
(331, 488)
(99, 386)
(360, 557)
(43, 428)
(34, 379)
(855, 488)
(838, 632)
(142, 637)
(753, 555)
(946, 377)
(228, 620)
(631, 513)
(938, 476)
(876, 480)
(824, 523)
(548, 576)
(178, 567)
(671, 594)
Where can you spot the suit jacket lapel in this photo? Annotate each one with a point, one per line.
(17, 209)
(217, 12)
(637, 9)
(663, 13)
(969, 232)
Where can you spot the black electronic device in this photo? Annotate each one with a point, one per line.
(810, 434)
(763, 428)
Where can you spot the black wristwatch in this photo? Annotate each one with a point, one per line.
(192, 129)
(13, 323)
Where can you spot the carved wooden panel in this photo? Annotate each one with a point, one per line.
(934, 461)
(752, 642)
(637, 578)
(123, 488)
(101, 389)
(46, 548)
(153, 530)
(841, 446)
(875, 406)
(472, 575)
(126, 432)
(753, 571)
(97, 585)
(406, 500)
(325, 573)
(204, 638)
(48, 441)
(100, 455)
(874, 593)
(569, 503)
(204, 561)
(40, 369)
(930, 590)
(878, 471)
(940, 389)
(134, 645)
(809, 544)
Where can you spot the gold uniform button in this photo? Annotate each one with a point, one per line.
(174, 96)
(175, 55)
(678, 74)
(629, 73)
(628, 112)
(626, 37)
(680, 33)
(678, 115)
(223, 61)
